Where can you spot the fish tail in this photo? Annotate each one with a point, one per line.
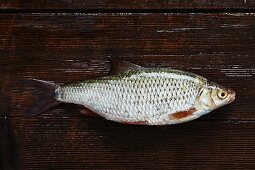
(46, 100)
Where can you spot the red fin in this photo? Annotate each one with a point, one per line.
(85, 111)
(136, 123)
(183, 114)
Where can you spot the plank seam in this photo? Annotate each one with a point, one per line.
(188, 10)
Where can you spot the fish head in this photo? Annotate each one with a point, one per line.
(213, 96)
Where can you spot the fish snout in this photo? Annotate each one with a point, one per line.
(232, 95)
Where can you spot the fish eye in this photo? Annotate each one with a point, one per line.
(222, 94)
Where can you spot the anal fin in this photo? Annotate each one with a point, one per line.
(136, 123)
(87, 112)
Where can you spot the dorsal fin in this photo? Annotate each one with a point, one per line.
(119, 66)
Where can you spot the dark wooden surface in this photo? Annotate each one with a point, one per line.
(67, 47)
(128, 4)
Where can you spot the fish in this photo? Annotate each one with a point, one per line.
(137, 95)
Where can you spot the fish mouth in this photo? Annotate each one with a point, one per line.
(232, 96)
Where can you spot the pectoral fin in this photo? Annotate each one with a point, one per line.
(182, 114)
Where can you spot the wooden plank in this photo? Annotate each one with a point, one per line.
(5, 146)
(66, 142)
(66, 48)
(128, 4)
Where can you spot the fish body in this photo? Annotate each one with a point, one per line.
(147, 96)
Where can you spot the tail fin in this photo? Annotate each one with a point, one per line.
(46, 100)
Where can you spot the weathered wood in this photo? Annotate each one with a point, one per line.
(66, 142)
(128, 4)
(5, 146)
(66, 47)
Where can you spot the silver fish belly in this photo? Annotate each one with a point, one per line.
(150, 96)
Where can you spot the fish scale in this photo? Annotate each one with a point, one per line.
(149, 96)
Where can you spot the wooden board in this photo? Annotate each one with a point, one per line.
(5, 145)
(68, 47)
(71, 142)
(128, 4)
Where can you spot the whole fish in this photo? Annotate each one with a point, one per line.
(137, 95)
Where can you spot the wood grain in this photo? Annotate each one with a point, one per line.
(128, 4)
(66, 48)
(69, 47)
(66, 142)
(5, 145)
